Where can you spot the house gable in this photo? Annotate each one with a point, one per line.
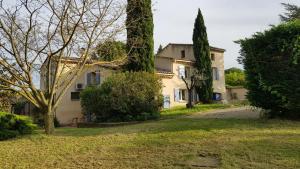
(183, 51)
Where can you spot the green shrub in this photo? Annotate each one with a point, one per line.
(38, 118)
(272, 64)
(19, 107)
(7, 134)
(126, 96)
(56, 122)
(11, 124)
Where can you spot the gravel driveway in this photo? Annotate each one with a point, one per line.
(236, 113)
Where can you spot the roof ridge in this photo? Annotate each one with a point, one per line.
(190, 44)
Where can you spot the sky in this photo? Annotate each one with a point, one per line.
(226, 21)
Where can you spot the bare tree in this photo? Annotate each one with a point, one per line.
(36, 36)
(198, 79)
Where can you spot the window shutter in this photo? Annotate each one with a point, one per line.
(181, 71)
(89, 79)
(176, 95)
(98, 78)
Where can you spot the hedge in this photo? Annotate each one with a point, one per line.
(272, 64)
(12, 125)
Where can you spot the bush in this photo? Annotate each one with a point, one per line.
(11, 125)
(19, 107)
(7, 134)
(6, 100)
(56, 122)
(41, 122)
(38, 118)
(111, 50)
(126, 96)
(272, 65)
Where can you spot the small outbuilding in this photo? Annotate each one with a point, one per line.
(236, 93)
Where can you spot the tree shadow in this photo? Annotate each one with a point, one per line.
(179, 125)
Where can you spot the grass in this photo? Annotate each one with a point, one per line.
(169, 143)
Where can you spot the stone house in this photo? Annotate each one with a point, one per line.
(177, 60)
(69, 110)
(172, 61)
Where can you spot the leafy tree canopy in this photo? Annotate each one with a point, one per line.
(233, 70)
(235, 77)
(111, 50)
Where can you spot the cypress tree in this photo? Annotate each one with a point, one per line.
(202, 57)
(160, 48)
(293, 12)
(140, 43)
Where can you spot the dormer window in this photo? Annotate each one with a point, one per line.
(183, 54)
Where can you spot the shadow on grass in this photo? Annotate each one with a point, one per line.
(150, 126)
(182, 110)
(182, 124)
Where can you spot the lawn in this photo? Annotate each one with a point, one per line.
(171, 143)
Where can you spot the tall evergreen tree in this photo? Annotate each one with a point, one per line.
(293, 12)
(202, 56)
(140, 43)
(160, 49)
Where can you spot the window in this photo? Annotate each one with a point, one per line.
(217, 96)
(187, 72)
(212, 56)
(184, 71)
(167, 101)
(181, 71)
(183, 54)
(75, 96)
(182, 95)
(196, 96)
(93, 78)
(216, 73)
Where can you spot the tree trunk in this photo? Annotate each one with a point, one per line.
(190, 101)
(49, 122)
